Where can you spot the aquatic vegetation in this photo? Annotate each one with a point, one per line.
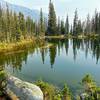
(51, 92)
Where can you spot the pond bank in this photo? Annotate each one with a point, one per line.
(20, 46)
(10, 47)
(93, 36)
(7, 48)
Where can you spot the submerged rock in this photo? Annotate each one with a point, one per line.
(24, 90)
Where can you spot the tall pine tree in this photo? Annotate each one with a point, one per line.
(75, 23)
(88, 25)
(67, 25)
(51, 20)
(62, 27)
(42, 27)
(58, 26)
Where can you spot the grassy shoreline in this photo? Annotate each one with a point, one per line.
(20, 45)
(94, 36)
(37, 41)
(10, 47)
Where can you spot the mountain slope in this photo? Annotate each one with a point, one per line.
(26, 11)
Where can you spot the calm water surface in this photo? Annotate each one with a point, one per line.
(67, 61)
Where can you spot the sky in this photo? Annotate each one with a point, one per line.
(62, 7)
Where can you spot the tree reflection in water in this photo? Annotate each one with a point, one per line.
(92, 46)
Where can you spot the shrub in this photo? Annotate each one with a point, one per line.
(53, 93)
(47, 89)
(3, 82)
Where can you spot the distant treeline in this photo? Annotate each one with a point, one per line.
(78, 27)
(15, 26)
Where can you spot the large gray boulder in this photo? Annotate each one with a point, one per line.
(24, 90)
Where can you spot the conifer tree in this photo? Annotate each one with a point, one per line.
(88, 25)
(67, 25)
(79, 27)
(51, 20)
(96, 19)
(62, 27)
(58, 26)
(22, 23)
(75, 23)
(71, 30)
(41, 22)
